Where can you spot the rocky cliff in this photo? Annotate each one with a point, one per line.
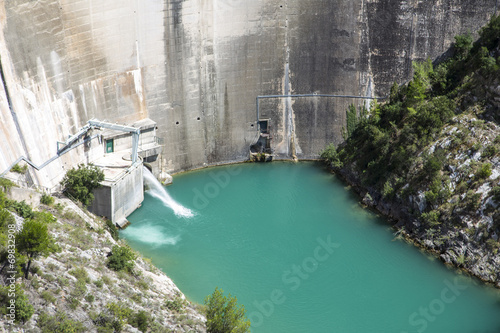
(429, 157)
(74, 290)
(196, 67)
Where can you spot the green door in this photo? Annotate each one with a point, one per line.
(109, 146)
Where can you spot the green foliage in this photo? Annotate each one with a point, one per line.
(495, 193)
(113, 318)
(6, 218)
(431, 218)
(224, 315)
(19, 169)
(112, 229)
(47, 296)
(418, 86)
(80, 273)
(79, 183)
(432, 167)
(484, 171)
(47, 199)
(6, 184)
(462, 45)
(394, 94)
(353, 117)
(22, 209)
(34, 241)
(44, 217)
(388, 191)
(177, 304)
(59, 324)
(493, 245)
(490, 151)
(490, 34)
(116, 315)
(99, 283)
(472, 200)
(438, 192)
(79, 290)
(121, 259)
(140, 320)
(23, 309)
(331, 156)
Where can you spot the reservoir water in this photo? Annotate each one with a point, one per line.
(294, 246)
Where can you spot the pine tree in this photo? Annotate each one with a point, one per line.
(224, 315)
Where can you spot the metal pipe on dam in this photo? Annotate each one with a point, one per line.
(195, 67)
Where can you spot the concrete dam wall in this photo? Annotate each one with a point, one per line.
(196, 67)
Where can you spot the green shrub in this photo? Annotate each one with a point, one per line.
(34, 241)
(73, 303)
(89, 298)
(490, 151)
(6, 184)
(493, 244)
(112, 229)
(19, 169)
(484, 171)
(79, 183)
(106, 280)
(495, 193)
(431, 218)
(143, 285)
(80, 273)
(432, 167)
(121, 259)
(99, 283)
(135, 297)
(59, 207)
(59, 324)
(388, 191)
(177, 304)
(22, 209)
(472, 200)
(140, 320)
(23, 309)
(331, 157)
(44, 217)
(80, 289)
(47, 296)
(224, 315)
(47, 199)
(62, 281)
(462, 45)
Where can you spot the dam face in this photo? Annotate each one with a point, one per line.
(195, 67)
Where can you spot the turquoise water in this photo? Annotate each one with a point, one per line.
(294, 246)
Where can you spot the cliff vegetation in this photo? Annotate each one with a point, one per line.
(69, 272)
(429, 157)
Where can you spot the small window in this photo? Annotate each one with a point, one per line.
(109, 146)
(263, 125)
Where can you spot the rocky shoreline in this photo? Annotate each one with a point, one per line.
(460, 251)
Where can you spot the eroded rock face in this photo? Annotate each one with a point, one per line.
(196, 69)
(470, 242)
(76, 281)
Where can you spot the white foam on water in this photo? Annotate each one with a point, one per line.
(157, 190)
(151, 234)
